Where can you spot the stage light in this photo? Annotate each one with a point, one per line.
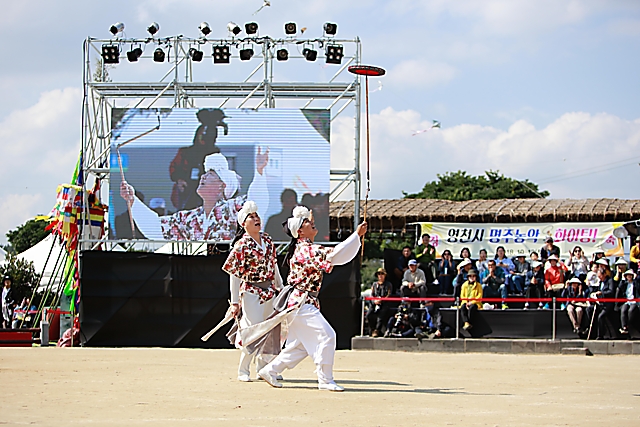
(205, 29)
(110, 54)
(153, 28)
(290, 28)
(251, 28)
(158, 55)
(334, 53)
(233, 28)
(282, 54)
(116, 28)
(330, 28)
(221, 54)
(246, 54)
(309, 54)
(134, 54)
(195, 54)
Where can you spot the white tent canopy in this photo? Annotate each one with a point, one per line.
(38, 256)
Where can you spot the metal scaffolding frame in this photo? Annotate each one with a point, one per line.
(100, 97)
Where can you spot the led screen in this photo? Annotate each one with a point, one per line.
(188, 179)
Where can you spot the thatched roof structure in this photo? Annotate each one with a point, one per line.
(395, 214)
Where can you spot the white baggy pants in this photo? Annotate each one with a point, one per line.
(252, 312)
(309, 335)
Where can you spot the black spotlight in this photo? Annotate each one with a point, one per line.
(334, 54)
(158, 55)
(309, 54)
(116, 28)
(330, 28)
(153, 28)
(290, 28)
(110, 54)
(246, 54)
(251, 27)
(195, 54)
(205, 29)
(282, 54)
(233, 28)
(134, 54)
(221, 54)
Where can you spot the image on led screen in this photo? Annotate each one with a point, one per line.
(188, 179)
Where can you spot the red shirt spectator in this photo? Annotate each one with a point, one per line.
(555, 273)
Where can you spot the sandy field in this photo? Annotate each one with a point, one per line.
(176, 387)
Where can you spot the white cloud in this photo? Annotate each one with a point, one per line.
(569, 146)
(39, 147)
(420, 73)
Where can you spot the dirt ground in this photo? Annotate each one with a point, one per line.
(175, 387)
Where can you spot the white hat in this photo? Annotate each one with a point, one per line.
(413, 262)
(219, 164)
(574, 280)
(554, 256)
(535, 264)
(248, 208)
(464, 262)
(629, 272)
(157, 202)
(300, 213)
(621, 261)
(603, 261)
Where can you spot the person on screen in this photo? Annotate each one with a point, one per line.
(216, 218)
(289, 200)
(188, 165)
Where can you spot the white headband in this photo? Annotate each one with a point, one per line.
(219, 164)
(300, 213)
(248, 208)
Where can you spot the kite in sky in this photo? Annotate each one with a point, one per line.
(265, 4)
(436, 124)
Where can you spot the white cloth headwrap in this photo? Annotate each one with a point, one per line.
(248, 208)
(219, 164)
(300, 213)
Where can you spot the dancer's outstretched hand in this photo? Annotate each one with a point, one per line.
(362, 229)
(235, 309)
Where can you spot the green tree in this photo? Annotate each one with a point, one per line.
(459, 186)
(26, 236)
(23, 275)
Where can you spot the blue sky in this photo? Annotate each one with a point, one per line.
(546, 90)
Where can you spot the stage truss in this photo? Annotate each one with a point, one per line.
(177, 89)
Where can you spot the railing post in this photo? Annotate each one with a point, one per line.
(553, 322)
(457, 317)
(362, 318)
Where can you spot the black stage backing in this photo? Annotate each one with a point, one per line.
(158, 300)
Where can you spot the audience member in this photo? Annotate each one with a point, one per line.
(534, 283)
(554, 278)
(592, 277)
(629, 289)
(634, 256)
(402, 264)
(378, 312)
(482, 263)
(471, 298)
(602, 310)
(21, 316)
(463, 268)
(430, 322)
(533, 256)
(465, 253)
(578, 263)
(426, 255)
(519, 275)
(400, 325)
(598, 254)
(621, 266)
(504, 263)
(493, 284)
(575, 309)
(446, 272)
(8, 302)
(414, 283)
(549, 249)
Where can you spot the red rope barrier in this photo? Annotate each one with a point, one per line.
(510, 299)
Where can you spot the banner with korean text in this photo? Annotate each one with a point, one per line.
(522, 238)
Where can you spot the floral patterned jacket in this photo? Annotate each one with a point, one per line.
(307, 265)
(251, 264)
(194, 224)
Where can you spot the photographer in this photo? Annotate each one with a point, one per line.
(401, 325)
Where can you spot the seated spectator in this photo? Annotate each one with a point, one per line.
(465, 253)
(505, 264)
(463, 268)
(471, 298)
(554, 278)
(426, 256)
(400, 325)
(629, 289)
(634, 255)
(621, 267)
(446, 272)
(519, 275)
(598, 254)
(402, 264)
(575, 309)
(482, 263)
(549, 249)
(578, 264)
(493, 285)
(533, 256)
(534, 283)
(603, 310)
(414, 283)
(378, 312)
(592, 277)
(430, 322)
